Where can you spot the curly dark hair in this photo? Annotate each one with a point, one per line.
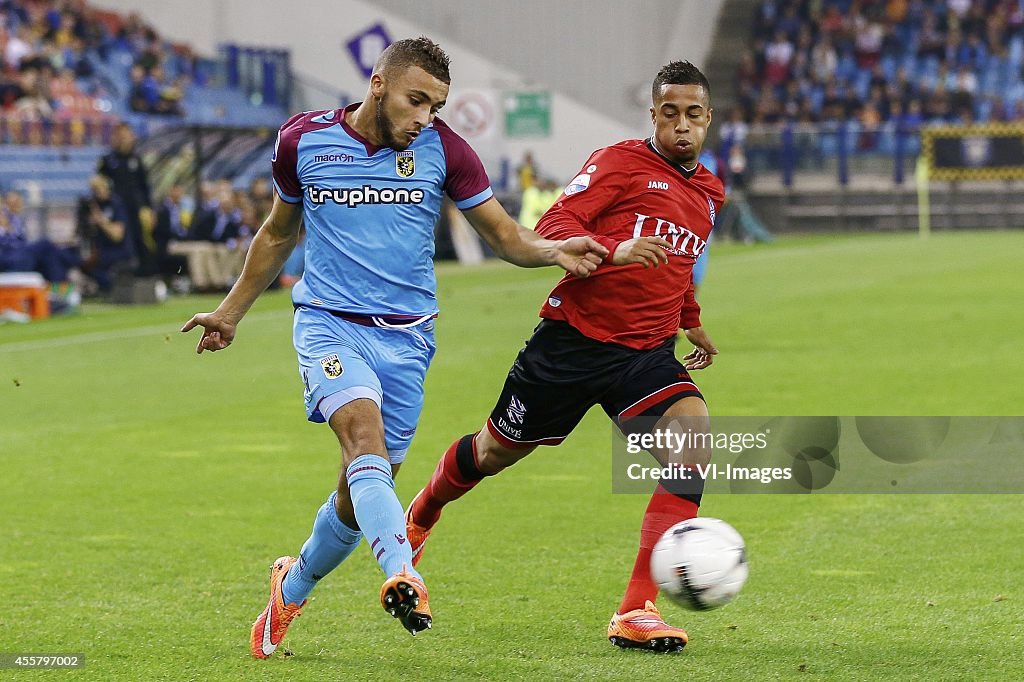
(679, 73)
(422, 52)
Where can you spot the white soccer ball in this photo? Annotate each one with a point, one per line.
(700, 564)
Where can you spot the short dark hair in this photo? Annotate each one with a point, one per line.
(679, 73)
(422, 52)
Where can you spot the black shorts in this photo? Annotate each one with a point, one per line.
(560, 374)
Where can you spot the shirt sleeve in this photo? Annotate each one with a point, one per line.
(689, 316)
(600, 183)
(465, 181)
(285, 160)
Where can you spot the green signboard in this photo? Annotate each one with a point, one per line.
(527, 114)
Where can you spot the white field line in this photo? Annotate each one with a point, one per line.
(117, 334)
(136, 332)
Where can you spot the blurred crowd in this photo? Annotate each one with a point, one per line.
(60, 57)
(873, 61)
(124, 234)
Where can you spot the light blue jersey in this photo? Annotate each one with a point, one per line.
(363, 326)
(370, 212)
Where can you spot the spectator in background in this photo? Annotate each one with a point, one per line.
(824, 60)
(102, 225)
(130, 183)
(172, 222)
(733, 131)
(537, 199)
(262, 196)
(18, 254)
(737, 217)
(777, 56)
(18, 47)
(217, 241)
(526, 172)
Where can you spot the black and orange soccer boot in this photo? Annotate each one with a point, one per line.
(404, 596)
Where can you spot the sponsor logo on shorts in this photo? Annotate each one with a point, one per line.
(405, 164)
(505, 427)
(408, 432)
(332, 366)
(516, 410)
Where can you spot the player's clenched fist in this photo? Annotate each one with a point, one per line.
(648, 251)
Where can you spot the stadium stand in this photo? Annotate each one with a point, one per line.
(873, 61)
(70, 72)
(846, 85)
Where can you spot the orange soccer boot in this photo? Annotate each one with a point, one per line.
(645, 629)
(404, 596)
(269, 628)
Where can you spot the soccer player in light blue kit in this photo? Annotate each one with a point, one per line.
(368, 181)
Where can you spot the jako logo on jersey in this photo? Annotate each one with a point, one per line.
(405, 164)
(577, 184)
(554, 301)
(682, 241)
(516, 411)
(328, 158)
(711, 210)
(364, 195)
(657, 184)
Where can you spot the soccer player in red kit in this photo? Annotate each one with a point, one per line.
(609, 339)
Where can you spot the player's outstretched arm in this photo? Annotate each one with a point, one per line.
(516, 244)
(268, 251)
(703, 351)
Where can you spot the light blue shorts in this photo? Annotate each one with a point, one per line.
(341, 361)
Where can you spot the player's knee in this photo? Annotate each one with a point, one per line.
(360, 429)
(493, 457)
(688, 416)
(691, 407)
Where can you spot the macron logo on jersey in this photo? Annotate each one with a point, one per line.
(358, 196)
(331, 158)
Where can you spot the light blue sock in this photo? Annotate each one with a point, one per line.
(330, 543)
(379, 513)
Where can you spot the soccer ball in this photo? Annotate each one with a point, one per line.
(700, 564)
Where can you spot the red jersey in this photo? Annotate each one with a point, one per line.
(626, 191)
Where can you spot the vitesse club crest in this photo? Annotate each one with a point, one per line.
(405, 164)
(332, 366)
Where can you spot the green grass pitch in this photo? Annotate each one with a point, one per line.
(146, 490)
